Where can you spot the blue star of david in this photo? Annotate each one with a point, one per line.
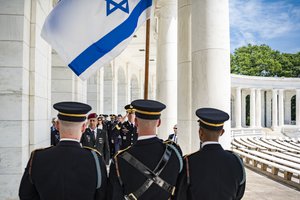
(111, 6)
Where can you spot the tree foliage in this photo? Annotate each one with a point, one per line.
(261, 60)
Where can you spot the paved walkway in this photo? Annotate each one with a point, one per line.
(261, 188)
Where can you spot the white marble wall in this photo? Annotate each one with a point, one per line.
(65, 85)
(25, 65)
(93, 84)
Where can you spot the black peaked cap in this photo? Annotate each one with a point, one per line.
(72, 111)
(211, 118)
(148, 109)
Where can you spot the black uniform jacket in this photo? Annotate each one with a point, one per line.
(215, 174)
(149, 152)
(63, 172)
(128, 134)
(100, 143)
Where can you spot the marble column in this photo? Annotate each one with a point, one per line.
(25, 89)
(269, 109)
(298, 107)
(252, 108)
(238, 107)
(186, 119)
(166, 70)
(211, 59)
(65, 85)
(281, 108)
(274, 109)
(258, 108)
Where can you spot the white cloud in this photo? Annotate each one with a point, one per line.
(252, 20)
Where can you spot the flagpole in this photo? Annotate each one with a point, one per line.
(147, 59)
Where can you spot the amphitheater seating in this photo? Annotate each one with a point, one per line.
(278, 158)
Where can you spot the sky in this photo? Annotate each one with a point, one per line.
(275, 23)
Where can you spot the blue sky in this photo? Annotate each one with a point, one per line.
(272, 22)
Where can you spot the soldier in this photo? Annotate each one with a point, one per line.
(115, 133)
(66, 171)
(211, 173)
(149, 168)
(128, 130)
(173, 136)
(96, 138)
(54, 132)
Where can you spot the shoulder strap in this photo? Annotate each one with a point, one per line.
(152, 176)
(242, 166)
(177, 154)
(99, 177)
(95, 154)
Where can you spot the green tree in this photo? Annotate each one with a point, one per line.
(261, 60)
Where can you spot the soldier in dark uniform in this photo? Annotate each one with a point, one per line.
(96, 138)
(128, 130)
(54, 133)
(149, 168)
(66, 171)
(211, 173)
(115, 134)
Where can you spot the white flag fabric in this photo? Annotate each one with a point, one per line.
(88, 34)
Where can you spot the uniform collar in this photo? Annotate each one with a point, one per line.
(145, 137)
(69, 139)
(208, 142)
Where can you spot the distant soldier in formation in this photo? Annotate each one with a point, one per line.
(66, 171)
(96, 138)
(115, 134)
(128, 130)
(211, 173)
(149, 168)
(173, 136)
(54, 132)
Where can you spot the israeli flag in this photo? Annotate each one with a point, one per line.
(87, 34)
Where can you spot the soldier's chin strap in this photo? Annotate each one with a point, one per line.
(153, 176)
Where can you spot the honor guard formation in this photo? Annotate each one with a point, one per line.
(141, 165)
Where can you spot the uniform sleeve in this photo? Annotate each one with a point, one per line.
(242, 186)
(241, 191)
(27, 190)
(101, 193)
(181, 192)
(115, 191)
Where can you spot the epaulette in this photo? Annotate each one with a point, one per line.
(241, 164)
(121, 151)
(92, 149)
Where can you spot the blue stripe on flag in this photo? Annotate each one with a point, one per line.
(109, 41)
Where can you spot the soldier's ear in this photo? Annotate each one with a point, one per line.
(158, 123)
(83, 127)
(136, 122)
(222, 132)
